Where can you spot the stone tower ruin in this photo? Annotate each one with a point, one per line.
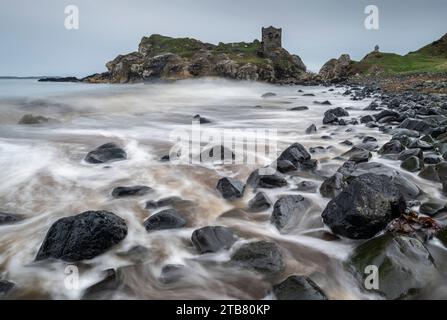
(271, 38)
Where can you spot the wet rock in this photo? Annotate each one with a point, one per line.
(325, 103)
(307, 186)
(8, 218)
(217, 153)
(300, 108)
(432, 208)
(288, 210)
(230, 188)
(347, 143)
(311, 129)
(259, 203)
(399, 133)
(367, 118)
(111, 282)
(310, 164)
(416, 152)
(137, 254)
(405, 265)
(83, 236)
(429, 173)
(166, 202)
(298, 288)
(417, 143)
(317, 149)
(409, 189)
(414, 124)
(268, 95)
(266, 178)
(432, 159)
(5, 288)
(106, 153)
(264, 257)
(338, 112)
(171, 273)
(285, 166)
(365, 207)
(360, 156)
(386, 114)
(212, 239)
(166, 219)
(330, 118)
(392, 147)
(201, 120)
(31, 119)
(308, 95)
(296, 153)
(331, 187)
(121, 192)
(412, 164)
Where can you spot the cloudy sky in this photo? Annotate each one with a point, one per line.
(34, 40)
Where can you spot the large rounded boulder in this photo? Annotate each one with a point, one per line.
(365, 207)
(108, 152)
(83, 236)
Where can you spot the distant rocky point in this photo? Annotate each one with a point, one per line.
(165, 58)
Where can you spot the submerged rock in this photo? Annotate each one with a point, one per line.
(338, 112)
(31, 119)
(212, 239)
(230, 188)
(107, 286)
(171, 273)
(392, 147)
(412, 164)
(365, 207)
(83, 236)
(405, 266)
(121, 192)
(261, 256)
(7, 218)
(311, 129)
(5, 288)
(166, 219)
(106, 153)
(201, 120)
(298, 288)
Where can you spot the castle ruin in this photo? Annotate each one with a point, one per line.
(271, 38)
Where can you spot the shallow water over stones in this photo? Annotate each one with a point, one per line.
(46, 177)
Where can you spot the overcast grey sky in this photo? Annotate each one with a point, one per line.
(34, 40)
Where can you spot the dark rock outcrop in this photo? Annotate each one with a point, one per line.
(332, 186)
(83, 236)
(266, 178)
(288, 210)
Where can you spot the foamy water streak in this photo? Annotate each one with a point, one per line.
(45, 178)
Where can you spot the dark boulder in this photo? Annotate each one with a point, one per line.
(360, 156)
(365, 207)
(31, 119)
(121, 192)
(311, 129)
(415, 124)
(230, 188)
(296, 153)
(330, 118)
(288, 210)
(106, 153)
(405, 266)
(266, 178)
(338, 112)
(392, 147)
(367, 118)
(300, 108)
(83, 236)
(212, 239)
(201, 120)
(166, 219)
(259, 203)
(268, 95)
(173, 201)
(307, 186)
(324, 103)
(432, 208)
(404, 155)
(332, 186)
(298, 288)
(264, 257)
(412, 164)
(171, 273)
(285, 166)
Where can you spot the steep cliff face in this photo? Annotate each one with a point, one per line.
(337, 69)
(165, 58)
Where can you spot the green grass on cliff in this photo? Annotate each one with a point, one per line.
(392, 63)
(431, 58)
(242, 52)
(184, 47)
